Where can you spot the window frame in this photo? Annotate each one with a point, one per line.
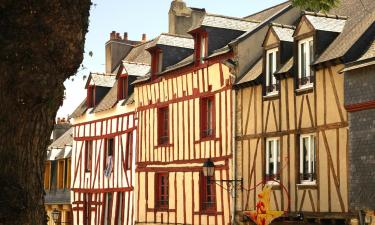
(90, 98)
(276, 161)
(163, 125)
(306, 74)
(159, 188)
(106, 153)
(205, 184)
(88, 152)
(122, 86)
(204, 117)
(311, 167)
(274, 90)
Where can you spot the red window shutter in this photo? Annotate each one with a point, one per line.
(119, 89)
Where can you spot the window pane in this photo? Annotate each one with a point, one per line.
(303, 60)
(305, 146)
(311, 54)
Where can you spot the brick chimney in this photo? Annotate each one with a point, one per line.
(125, 36)
(112, 35)
(144, 37)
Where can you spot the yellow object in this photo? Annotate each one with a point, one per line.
(262, 215)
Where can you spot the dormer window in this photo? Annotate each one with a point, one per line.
(122, 87)
(201, 44)
(271, 63)
(90, 99)
(157, 62)
(203, 47)
(305, 58)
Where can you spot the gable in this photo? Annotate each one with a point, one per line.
(271, 39)
(303, 27)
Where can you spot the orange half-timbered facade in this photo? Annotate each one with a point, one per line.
(184, 115)
(292, 127)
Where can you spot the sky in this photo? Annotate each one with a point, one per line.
(137, 17)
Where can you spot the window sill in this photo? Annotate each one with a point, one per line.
(271, 96)
(307, 185)
(274, 185)
(163, 145)
(305, 89)
(209, 213)
(203, 139)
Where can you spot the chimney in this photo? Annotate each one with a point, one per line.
(112, 35)
(115, 50)
(61, 126)
(144, 37)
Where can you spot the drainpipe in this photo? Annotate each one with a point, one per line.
(234, 168)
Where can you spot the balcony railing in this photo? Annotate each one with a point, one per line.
(61, 196)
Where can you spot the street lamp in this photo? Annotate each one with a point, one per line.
(209, 170)
(56, 214)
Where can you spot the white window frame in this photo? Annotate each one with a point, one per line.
(274, 65)
(276, 154)
(305, 42)
(203, 50)
(311, 157)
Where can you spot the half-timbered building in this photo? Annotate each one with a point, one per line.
(184, 111)
(104, 140)
(291, 124)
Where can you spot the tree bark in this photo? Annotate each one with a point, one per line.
(41, 44)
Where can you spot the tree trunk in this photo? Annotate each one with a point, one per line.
(41, 44)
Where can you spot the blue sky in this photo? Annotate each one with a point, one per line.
(137, 17)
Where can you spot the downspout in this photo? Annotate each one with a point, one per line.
(234, 185)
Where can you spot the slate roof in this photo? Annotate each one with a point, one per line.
(102, 80)
(286, 67)
(355, 27)
(81, 108)
(175, 40)
(63, 140)
(264, 14)
(139, 54)
(254, 72)
(367, 59)
(326, 22)
(226, 22)
(136, 69)
(109, 100)
(284, 32)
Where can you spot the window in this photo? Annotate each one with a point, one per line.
(53, 185)
(128, 156)
(108, 199)
(68, 175)
(122, 87)
(60, 175)
(163, 132)
(47, 175)
(88, 155)
(271, 63)
(272, 159)
(207, 193)
(162, 191)
(90, 96)
(307, 158)
(120, 208)
(207, 117)
(203, 47)
(109, 157)
(157, 61)
(305, 58)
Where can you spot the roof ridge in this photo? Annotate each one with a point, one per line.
(233, 18)
(274, 6)
(320, 14)
(177, 35)
(142, 43)
(282, 25)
